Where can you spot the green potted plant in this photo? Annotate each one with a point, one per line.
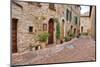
(67, 38)
(43, 37)
(84, 33)
(71, 34)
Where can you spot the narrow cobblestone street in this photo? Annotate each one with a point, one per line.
(78, 49)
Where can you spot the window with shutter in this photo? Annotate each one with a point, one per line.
(52, 6)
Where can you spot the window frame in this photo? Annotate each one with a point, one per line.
(44, 27)
(30, 29)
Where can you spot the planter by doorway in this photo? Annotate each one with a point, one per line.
(43, 37)
(43, 45)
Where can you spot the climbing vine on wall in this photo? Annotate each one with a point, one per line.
(57, 29)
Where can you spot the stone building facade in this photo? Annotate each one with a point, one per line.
(73, 18)
(85, 24)
(93, 22)
(30, 18)
(88, 22)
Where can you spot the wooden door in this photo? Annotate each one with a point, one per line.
(14, 35)
(74, 30)
(50, 31)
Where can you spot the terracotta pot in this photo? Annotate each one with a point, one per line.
(43, 45)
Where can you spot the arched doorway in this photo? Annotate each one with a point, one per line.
(51, 31)
(71, 28)
(75, 31)
(81, 29)
(62, 29)
(14, 35)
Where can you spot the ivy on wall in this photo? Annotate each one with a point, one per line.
(57, 29)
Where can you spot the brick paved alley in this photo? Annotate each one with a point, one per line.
(81, 49)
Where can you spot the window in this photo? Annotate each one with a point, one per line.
(52, 6)
(71, 27)
(63, 20)
(30, 29)
(75, 20)
(74, 30)
(44, 27)
(67, 12)
(38, 4)
(81, 29)
(70, 17)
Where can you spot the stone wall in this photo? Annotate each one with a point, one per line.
(89, 22)
(93, 22)
(75, 13)
(35, 16)
(86, 23)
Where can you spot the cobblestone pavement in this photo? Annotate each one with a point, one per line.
(82, 49)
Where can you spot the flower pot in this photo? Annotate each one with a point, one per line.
(43, 45)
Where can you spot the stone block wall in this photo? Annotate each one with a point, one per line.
(35, 16)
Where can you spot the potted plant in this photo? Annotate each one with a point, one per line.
(84, 33)
(67, 38)
(71, 34)
(43, 38)
(32, 47)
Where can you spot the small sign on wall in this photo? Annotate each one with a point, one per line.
(44, 27)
